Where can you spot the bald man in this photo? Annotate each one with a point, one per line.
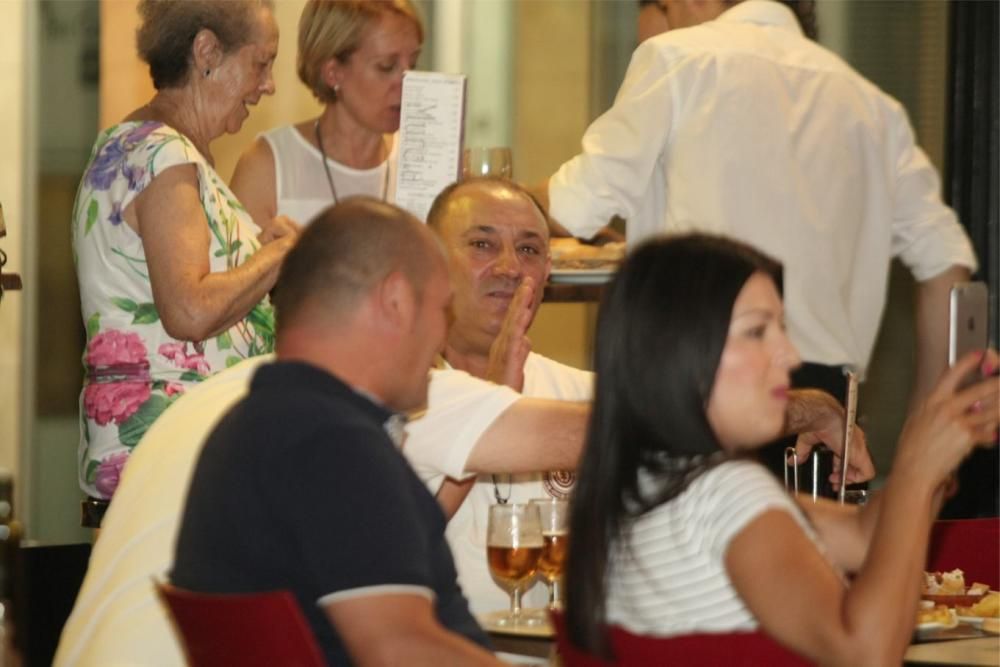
(497, 245)
(302, 486)
(496, 242)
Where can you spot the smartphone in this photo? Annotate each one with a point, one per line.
(968, 322)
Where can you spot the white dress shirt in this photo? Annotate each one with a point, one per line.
(743, 127)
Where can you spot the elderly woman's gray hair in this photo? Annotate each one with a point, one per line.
(169, 27)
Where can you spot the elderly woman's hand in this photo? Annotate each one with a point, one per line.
(280, 226)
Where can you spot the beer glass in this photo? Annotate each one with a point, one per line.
(513, 547)
(492, 161)
(554, 514)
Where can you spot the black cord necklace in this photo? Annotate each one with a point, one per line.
(501, 499)
(329, 176)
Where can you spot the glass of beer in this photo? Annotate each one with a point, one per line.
(491, 161)
(554, 514)
(513, 548)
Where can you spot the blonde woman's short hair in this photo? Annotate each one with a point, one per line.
(334, 29)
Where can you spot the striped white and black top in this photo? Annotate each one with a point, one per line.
(672, 580)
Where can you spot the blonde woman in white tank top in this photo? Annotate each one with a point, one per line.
(352, 55)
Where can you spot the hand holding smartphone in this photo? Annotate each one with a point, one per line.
(968, 323)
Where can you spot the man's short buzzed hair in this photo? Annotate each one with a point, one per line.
(347, 250)
(439, 209)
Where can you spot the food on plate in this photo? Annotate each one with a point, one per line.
(568, 253)
(944, 583)
(937, 614)
(978, 589)
(988, 607)
(951, 584)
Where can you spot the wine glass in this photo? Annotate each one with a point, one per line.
(513, 547)
(554, 514)
(855, 496)
(492, 161)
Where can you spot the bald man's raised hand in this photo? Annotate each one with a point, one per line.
(510, 348)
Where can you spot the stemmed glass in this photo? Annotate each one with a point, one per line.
(492, 161)
(554, 514)
(513, 548)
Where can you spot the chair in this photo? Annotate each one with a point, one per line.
(972, 545)
(251, 629)
(706, 650)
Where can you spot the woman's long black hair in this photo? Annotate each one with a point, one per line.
(660, 334)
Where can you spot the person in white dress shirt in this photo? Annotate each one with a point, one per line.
(734, 122)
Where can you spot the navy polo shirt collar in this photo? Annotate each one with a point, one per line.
(297, 375)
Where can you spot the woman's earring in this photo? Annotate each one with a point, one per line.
(207, 72)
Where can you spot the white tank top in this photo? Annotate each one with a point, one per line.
(301, 188)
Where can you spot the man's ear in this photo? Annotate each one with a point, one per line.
(397, 304)
(206, 50)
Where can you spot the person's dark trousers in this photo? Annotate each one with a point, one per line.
(832, 380)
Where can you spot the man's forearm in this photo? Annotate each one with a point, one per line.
(809, 410)
(816, 416)
(532, 435)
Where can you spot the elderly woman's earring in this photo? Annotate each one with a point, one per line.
(207, 72)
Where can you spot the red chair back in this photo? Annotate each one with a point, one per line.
(251, 630)
(569, 654)
(972, 545)
(704, 650)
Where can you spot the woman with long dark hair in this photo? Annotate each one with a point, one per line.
(678, 530)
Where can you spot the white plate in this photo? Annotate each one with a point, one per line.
(518, 659)
(925, 627)
(971, 620)
(491, 623)
(581, 276)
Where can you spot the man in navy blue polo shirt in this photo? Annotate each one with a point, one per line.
(302, 487)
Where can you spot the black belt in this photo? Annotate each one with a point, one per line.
(92, 511)
(830, 379)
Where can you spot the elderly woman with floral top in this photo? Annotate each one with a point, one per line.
(173, 278)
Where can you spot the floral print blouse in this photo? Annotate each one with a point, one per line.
(133, 369)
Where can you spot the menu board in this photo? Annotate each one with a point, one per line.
(430, 138)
